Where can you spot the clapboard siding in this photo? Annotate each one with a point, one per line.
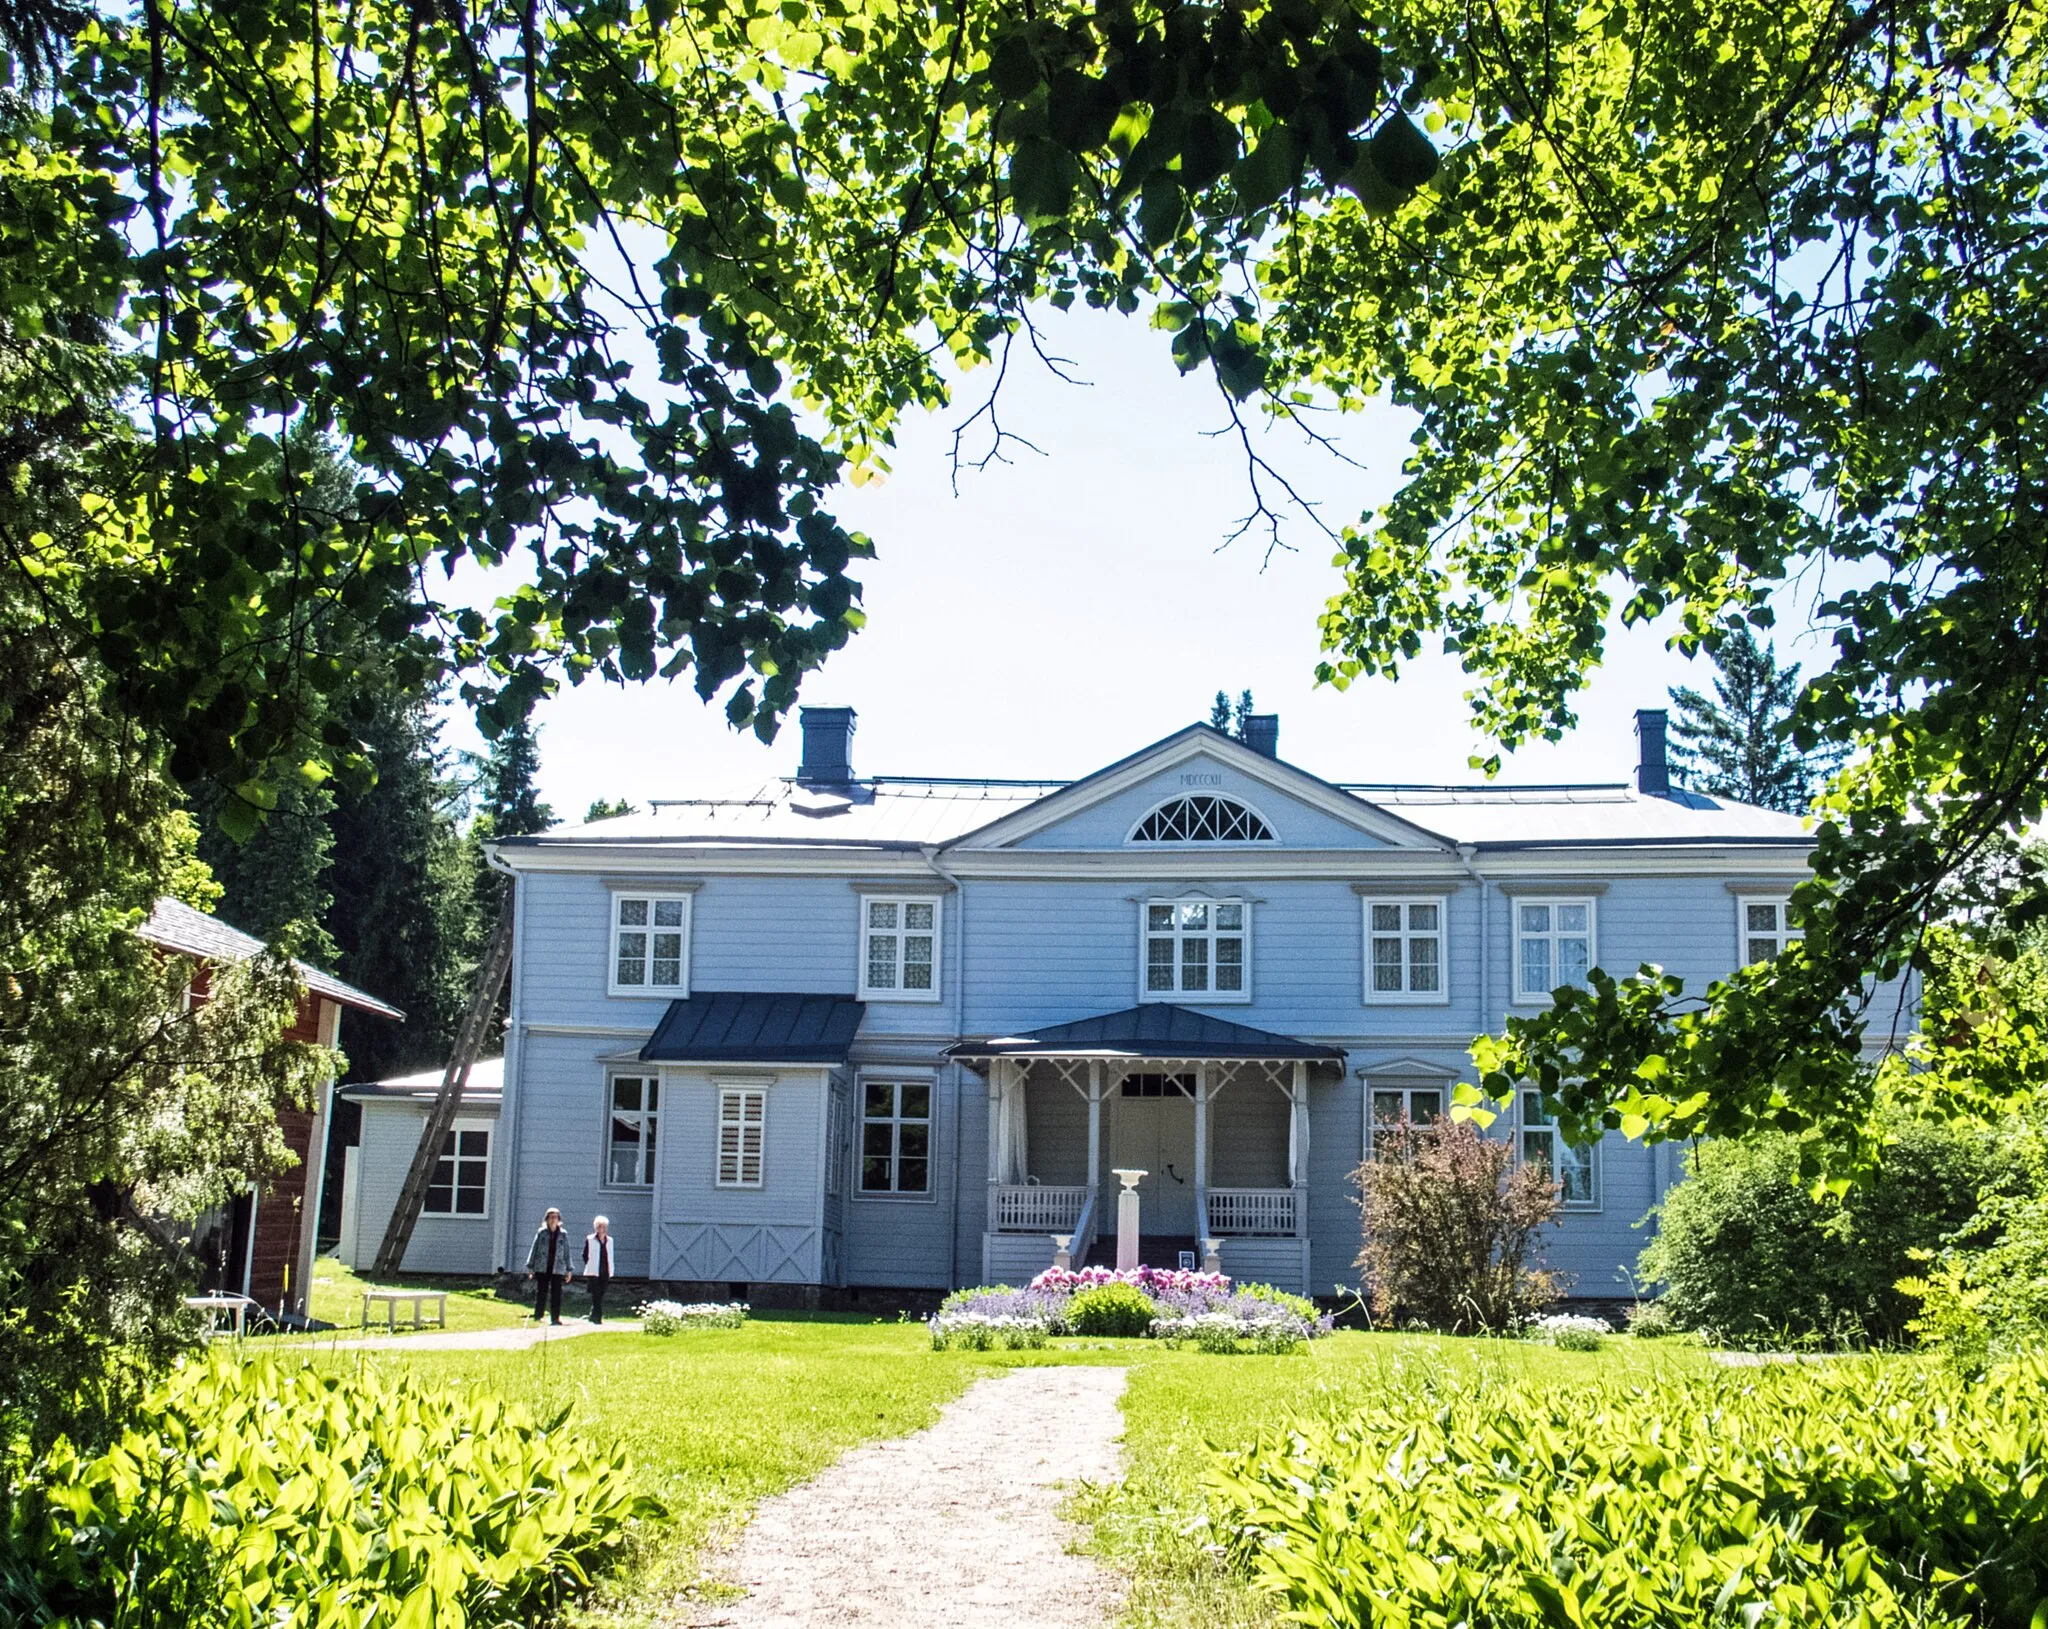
(746, 933)
(1106, 825)
(439, 1244)
(905, 1241)
(1056, 1130)
(562, 1125)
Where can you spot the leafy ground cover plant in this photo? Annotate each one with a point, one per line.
(986, 1332)
(281, 1494)
(1451, 1221)
(1869, 1493)
(673, 1317)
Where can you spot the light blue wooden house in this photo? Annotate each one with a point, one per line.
(898, 1032)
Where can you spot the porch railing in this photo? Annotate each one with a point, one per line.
(1034, 1208)
(1236, 1212)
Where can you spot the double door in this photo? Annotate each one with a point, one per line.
(1152, 1129)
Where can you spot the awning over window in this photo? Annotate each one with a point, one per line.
(747, 1026)
(1156, 1030)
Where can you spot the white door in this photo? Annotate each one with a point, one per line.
(1153, 1120)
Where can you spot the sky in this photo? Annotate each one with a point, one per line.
(1063, 610)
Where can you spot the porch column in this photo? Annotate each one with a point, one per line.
(1297, 1147)
(1095, 1140)
(1201, 1151)
(998, 1122)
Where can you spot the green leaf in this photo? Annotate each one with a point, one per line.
(1269, 171)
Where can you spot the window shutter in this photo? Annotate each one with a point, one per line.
(742, 1120)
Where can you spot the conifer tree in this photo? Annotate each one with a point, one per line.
(1740, 745)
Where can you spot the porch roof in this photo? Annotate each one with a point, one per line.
(754, 1026)
(1156, 1030)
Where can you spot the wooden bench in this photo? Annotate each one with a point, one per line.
(389, 1300)
(234, 1307)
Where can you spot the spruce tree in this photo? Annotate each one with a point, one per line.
(274, 884)
(1740, 746)
(1229, 717)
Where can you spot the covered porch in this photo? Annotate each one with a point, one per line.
(1214, 1113)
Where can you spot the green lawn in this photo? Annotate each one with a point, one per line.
(338, 1299)
(720, 1419)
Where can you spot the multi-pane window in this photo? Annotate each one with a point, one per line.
(1553, 945)
(1392, 1105)
(742, 1128)
(1767, 928)
(899, 949)
(1404, 950)
(1203, 819)
(1158, 1086)
(461, 1180)
(1544, 1147)
(896, 1136)
(1195, 947)
(629, 1152)
(650, 944)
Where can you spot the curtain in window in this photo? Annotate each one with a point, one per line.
(1013, 1158)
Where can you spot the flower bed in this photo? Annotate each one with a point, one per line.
(671, 1317)
(1571, 1332)
(1202, 1310)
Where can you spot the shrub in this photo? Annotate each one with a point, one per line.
(1651, 1321)
(1111, 1309)
(1787, 1495)
(672, 1317)
(1451, 1220)
(1572, 1332)
(264, 1492)
(1748, 1256)
(1980, 1302)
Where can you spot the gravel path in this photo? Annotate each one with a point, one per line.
(955, 1526)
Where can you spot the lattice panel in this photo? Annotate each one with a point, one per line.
(756, 1253)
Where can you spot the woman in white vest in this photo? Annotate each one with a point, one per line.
(597, 1264)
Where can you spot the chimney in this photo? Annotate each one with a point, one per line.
(1262, 733)
(828, 746)
(1653, 771)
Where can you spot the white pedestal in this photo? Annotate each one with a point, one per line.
(1127, 1220)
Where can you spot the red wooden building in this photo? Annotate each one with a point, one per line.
(262, 1245)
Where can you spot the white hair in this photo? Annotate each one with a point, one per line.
(601, 1221)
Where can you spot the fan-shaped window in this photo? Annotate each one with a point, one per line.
(1203, 819)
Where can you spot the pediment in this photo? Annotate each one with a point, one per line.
(1200, 790)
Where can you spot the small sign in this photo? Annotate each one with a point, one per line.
(1187, 1261)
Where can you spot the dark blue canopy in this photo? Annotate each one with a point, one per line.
(749, 1026)
(1157, 1030)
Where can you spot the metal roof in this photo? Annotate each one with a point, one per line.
(1156, 1030)
(1509, 817)
(177, 926)
(485, 1087)
(746, 1026)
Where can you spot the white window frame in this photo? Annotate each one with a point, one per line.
(732, 1158)
(838, 1143)
(1270, 840)
(1516, 904)
(869, 932)
(649, 1121)
(1407, 934)
(650, 897)
(898, 1079)
(1210, 997)
(455, 1188)
(1784, 934)
(1528, 1103)
(1440, 1090)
